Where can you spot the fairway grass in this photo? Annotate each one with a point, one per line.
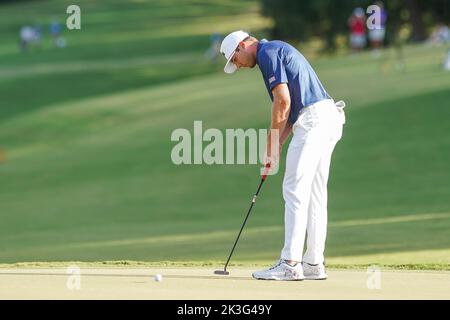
(121, 45)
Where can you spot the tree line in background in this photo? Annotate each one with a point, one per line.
(301, 20)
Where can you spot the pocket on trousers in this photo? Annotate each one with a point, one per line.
(309, 120)
(304, 122)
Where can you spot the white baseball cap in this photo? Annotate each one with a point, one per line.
(229, 46)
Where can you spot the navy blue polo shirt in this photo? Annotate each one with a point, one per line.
(280, 62)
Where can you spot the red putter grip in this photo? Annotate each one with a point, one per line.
(266, 171)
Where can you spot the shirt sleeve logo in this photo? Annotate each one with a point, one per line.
(272, 79)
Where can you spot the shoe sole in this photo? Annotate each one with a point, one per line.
(278, 279)
(318, 278)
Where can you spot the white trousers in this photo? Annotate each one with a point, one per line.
(316, 133)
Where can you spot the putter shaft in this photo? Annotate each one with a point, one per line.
(246, 217)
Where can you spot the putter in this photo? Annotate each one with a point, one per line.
(263, 178)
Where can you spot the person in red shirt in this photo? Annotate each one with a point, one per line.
(357, 24)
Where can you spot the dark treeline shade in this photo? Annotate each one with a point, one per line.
(301, 20)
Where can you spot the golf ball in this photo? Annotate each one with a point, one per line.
(158, 277)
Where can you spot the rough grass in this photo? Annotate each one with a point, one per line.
(210, 264)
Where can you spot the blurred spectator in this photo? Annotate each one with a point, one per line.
(213, 52)
(399, 41)
(55, 33)
(377, 35)
(27, 36)
(440, 35)
(357, 24)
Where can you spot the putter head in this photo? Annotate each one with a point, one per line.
(222, 272)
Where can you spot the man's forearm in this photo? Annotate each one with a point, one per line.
(280, 114)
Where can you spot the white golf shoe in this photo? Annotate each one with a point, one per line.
(314, 271)
(281, 271)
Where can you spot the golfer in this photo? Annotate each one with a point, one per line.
(302, 106)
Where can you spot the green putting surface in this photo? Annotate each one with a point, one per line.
(203, 284)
